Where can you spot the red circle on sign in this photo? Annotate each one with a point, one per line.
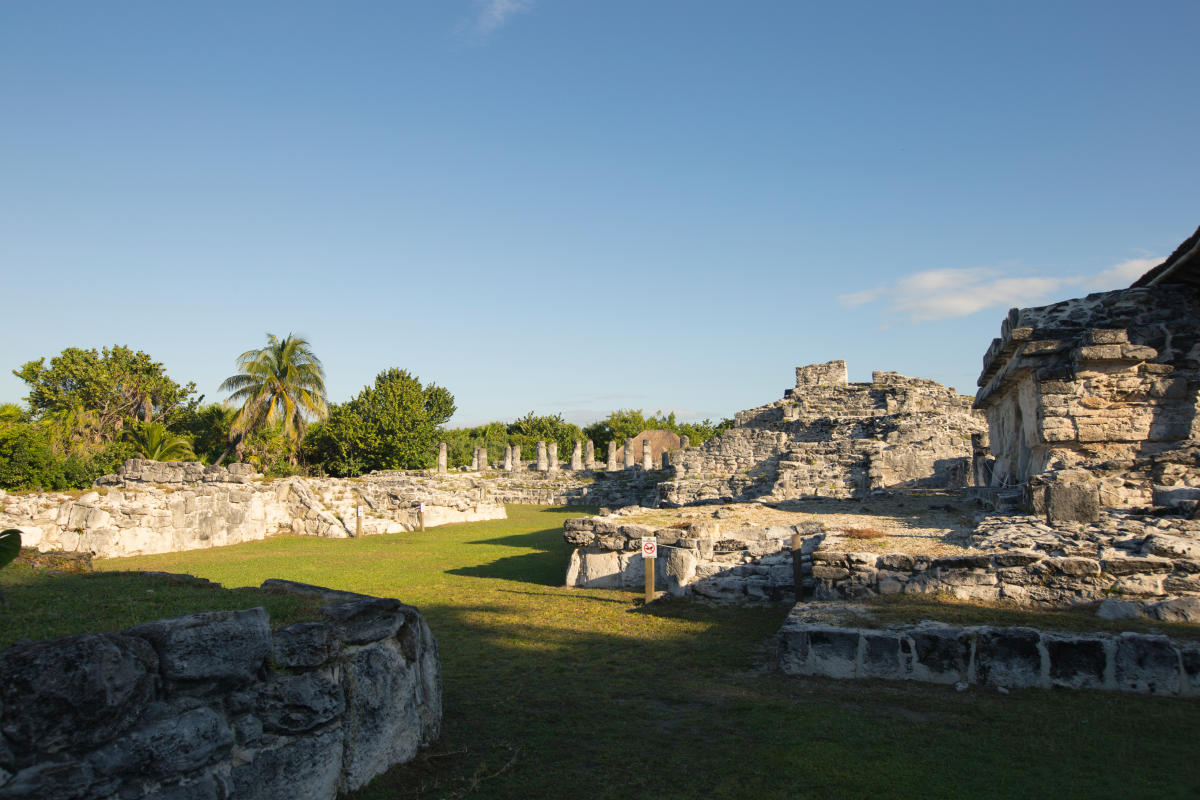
(648, 549)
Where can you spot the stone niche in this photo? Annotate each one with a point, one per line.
(828, 437)
(1103, 386)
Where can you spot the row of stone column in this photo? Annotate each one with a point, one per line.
(583, 456)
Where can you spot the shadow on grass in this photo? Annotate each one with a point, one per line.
(541, 701)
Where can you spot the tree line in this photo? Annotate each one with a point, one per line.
(89, 410)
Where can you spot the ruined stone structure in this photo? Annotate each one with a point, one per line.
(659, 442)
(219, 705)
(1098, 394)
(812, 642)
(831, 438)
(154, 507)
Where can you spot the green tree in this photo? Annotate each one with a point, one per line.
(392, 424)
(152, 440)
(627, 423)
(102, 391)
(532, 428)
(283, 382)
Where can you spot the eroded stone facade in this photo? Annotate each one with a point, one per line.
(1104, 385)
(828, 437)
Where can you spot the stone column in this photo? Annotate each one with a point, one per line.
(474, 458)
(508, 458)
(589, 455)
(542, 463)
(442, 457)
(517, 465)
(577, 457)
(629, 454)
(612, 457)
(685, 441)
(483, 459)
(647, 460)
(553, 447)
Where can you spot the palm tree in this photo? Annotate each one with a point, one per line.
(282, 382)
(152, 440)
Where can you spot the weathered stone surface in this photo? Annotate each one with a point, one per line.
(1076, 662)
(1146, 664)
(73, 693)
(939, 654)
(829, 438)
(304, 645)
(381, 732)
(293, 767)
(366, 620)
(1008, 657)
(65, 780)
(292, 704)
(91, 715)
(218, 645)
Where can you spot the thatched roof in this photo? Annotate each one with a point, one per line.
(1182, 266)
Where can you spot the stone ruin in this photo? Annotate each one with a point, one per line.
(831, 438)
(1091, 402)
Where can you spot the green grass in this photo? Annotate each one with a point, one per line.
(40, 603)
(553, 692)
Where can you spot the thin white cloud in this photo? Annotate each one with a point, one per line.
(494, 14)
(947, 293)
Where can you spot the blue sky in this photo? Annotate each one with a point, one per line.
(570, 206)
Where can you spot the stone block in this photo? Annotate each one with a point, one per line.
(73, 693)
(832, 651)
(1008, 657)
(938, 654)
(881, 656)
(1073, 500)
(1147, 664)
(292, 704)
(61, 780)
(219, 645)
(380, 731)
(1076, 662)
(291, 768)
(304, 645)
(365, 620)
(167, 746)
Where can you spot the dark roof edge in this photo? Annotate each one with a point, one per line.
(1185, 254)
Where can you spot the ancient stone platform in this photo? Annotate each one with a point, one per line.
(828, 437)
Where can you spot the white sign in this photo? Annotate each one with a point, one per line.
(360, 511)
(649, 548)
(422, 508)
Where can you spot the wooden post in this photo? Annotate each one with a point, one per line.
(649, 562)
(421, 517)
(358, 520)
(797, 566)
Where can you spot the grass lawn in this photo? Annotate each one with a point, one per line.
(554, 692)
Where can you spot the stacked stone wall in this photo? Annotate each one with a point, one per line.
(1009, 658)
(831, 438)
(1107, 383)
(1012, 558)
(219, 705)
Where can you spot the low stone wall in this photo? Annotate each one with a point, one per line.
(150, 507)
(1014, 558)
(218, 705)
(630, 487)
(747, 564)
(987, 656)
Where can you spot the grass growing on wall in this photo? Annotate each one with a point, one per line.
(554, 692)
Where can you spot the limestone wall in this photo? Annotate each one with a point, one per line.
(831, 438)
(986, 656)
(218, 705)
(1014, 558)
(150, 507)
(1107, 383)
